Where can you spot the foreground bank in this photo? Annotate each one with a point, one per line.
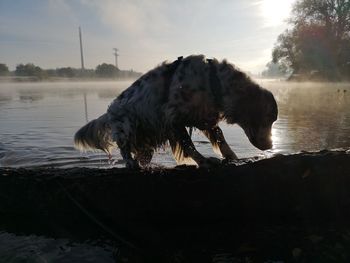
(284, 207)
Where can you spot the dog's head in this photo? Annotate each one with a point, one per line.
(254, 109)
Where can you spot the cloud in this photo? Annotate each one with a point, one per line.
(145, 31)
(141, 29)
(148, 32)
(51, 23)
(44, 34)
(132, 18)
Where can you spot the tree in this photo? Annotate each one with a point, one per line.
(285, 51)
(274, 70)
(51, 72)
(319, 39)
(67, 72)
(106, 70)
(4, 70)
(29, 70)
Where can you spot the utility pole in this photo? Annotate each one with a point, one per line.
(81, 50)
(116, 57)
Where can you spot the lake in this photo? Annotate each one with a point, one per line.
(38, 122)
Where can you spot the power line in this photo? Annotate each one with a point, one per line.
(81, 50)
(116, 57)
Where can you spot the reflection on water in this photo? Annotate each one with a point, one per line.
(38, 122)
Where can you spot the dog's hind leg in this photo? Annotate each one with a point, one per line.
(183, 147)
(217, 139)
(121, 135)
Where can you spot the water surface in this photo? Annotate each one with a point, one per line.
(38, 122)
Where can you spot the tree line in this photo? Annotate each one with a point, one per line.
(316, 46)
(34, 72)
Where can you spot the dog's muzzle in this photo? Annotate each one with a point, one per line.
(265, 145)
(261, 138)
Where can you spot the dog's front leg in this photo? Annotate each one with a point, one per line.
(182, 145)
(130, 162)
(217, 139)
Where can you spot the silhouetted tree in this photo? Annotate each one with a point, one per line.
(274, 70)
(319, 39)
(29, 70)
(51, 72)
(67, 72)
(4, 70)
(106, 70)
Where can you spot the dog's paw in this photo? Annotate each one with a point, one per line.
(228, 160)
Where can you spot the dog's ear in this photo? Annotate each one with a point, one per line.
(239, 82)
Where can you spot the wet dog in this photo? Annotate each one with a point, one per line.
(192, 92)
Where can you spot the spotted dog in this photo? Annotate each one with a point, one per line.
(192, 92)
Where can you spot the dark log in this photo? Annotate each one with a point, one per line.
(184, 206)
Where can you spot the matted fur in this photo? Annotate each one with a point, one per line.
(192, 92)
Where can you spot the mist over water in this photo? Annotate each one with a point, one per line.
(312, 116)
(38, 122)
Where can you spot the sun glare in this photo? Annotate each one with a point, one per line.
(275, 12)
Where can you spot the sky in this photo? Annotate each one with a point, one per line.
(146, 32)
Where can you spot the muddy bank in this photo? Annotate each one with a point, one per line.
(272, 206)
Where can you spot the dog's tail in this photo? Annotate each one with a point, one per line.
(95, 135)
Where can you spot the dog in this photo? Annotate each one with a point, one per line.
(191, 92)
